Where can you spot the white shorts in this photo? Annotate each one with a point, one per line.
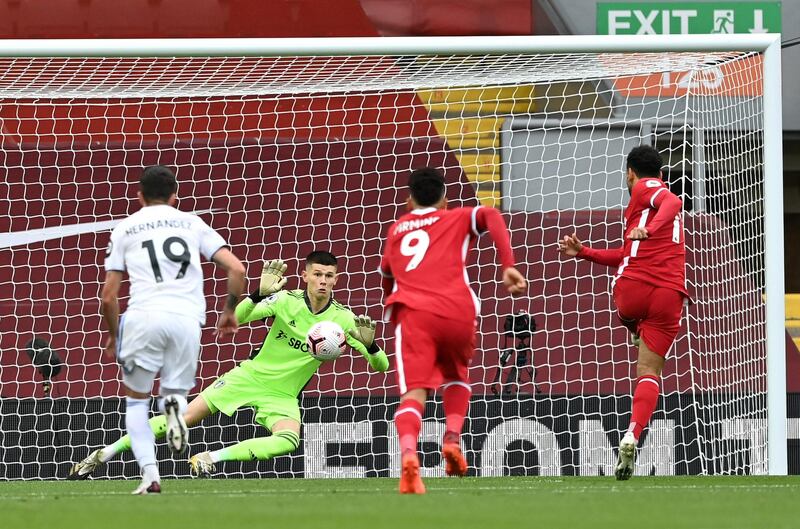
(162, 342)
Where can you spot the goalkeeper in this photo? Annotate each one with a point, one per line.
(273, 379)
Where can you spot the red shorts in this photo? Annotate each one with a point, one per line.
(431, 350)
(654, 312)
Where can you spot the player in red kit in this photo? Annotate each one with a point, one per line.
(649, 287)
(434, 311)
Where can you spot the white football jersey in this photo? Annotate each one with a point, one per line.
(160, 248)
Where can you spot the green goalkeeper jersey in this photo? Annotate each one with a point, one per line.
(283, 364)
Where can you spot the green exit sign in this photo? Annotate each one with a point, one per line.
(674, 18)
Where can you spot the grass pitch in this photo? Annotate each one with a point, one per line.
(508, 503)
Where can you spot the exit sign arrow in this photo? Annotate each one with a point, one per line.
(758, 22)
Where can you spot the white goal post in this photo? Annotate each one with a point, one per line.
(285, 145)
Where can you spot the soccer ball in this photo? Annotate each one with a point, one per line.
(325, 340)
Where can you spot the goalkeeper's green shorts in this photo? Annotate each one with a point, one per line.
(238, 388)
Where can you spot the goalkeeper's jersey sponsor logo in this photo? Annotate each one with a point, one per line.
(298, 344)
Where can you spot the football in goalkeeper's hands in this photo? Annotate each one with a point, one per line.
(326, 340)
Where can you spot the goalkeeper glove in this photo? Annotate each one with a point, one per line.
(272, 279)
(364, 330)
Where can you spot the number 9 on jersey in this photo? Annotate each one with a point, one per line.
(415, 245)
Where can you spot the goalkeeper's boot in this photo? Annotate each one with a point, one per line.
(177, 432)
(145, 487)
(627, 457)
(201, 465)
(410, 482)
(455, 463)
(85, 468)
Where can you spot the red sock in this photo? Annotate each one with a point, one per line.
(408, 421)
(645, 399)
(455, 399)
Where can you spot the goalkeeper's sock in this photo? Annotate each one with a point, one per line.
(645, 399)
(408, 421)
(455, 399)
(143, 440)
(259, 448)
(158, 425)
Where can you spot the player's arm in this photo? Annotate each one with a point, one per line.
(571, 246)
(256, 307)
(361, 337)
(225, 259)
(109, 307)
(667, 206)
(214, 248)
(385, 269)
(109, 298)
(489, 219)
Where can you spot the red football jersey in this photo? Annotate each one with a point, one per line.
(659, 260)
(425, 253)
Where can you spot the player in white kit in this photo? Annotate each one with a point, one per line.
(160, 248)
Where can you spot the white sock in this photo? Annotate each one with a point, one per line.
(150, 474)
(143, 441)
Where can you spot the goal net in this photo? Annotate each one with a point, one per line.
(287, 154)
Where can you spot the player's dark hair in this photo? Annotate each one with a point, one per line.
(645, 161)
(426, 185)
(158, 183)
(321, 258)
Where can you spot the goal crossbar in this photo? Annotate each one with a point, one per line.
(341, 46)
